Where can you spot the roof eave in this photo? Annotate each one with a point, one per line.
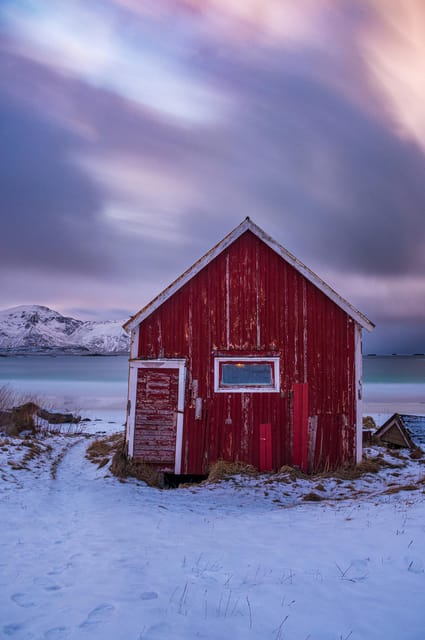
(248, 225)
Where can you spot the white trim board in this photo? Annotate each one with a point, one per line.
(248, 225)
(358, 371)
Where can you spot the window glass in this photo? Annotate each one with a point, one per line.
(247, 373)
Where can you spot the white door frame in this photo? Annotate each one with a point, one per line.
(358, 366)
(171, 363)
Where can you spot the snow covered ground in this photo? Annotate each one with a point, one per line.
(83, 555)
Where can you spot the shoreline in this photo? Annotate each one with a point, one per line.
(389, 408)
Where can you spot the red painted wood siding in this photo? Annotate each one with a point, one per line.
(250, 301)
(156, 417)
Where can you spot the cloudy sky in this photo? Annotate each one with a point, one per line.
(136, 134)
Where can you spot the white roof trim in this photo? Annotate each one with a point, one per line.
(248, 225)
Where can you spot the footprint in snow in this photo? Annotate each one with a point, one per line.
(100, 614)
(57, 633)
(414, 564)
(22, 600)
(148, 595)
(12, 629)
(158, 632)
(47, 584)
(358, 569)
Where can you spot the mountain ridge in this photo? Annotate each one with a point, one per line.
(27, 329)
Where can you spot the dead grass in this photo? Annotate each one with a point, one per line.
(401, 487)
(396, 453)
(17, 466)
(20, 413)
(221, 470)
(104, 448)
(26, 449)
(123, 467)
(366, 466)
(369, 422)
(289, 474)
(34, 450)
(112, 449)
(312, 497)
(416, 453)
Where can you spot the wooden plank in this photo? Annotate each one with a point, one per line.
(300, 438)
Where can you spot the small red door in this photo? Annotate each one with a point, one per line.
(266, 447)
(156, 417)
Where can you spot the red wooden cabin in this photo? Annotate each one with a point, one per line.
(248, 356)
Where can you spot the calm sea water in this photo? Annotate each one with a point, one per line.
(72, 382)
(394, 384)
(90, 382)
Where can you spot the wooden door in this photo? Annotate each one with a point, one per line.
(156, 413)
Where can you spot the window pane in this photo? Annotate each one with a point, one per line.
(247, 373)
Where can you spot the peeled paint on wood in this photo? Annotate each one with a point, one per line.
(155, 417)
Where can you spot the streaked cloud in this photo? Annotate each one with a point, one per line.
(80, 40)
(393, 297)
(393, 44)
(135, 135)
(268, 23)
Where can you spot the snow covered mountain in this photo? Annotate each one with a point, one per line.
(34, 328)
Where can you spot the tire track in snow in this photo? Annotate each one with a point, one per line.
(60, 457)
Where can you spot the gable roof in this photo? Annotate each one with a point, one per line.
(411, 429)
(247, 225)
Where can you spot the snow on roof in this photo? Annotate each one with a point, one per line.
(248, 225)
(416, 427)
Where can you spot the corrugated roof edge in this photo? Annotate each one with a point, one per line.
(247, 225)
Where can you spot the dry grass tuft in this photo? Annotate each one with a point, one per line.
(366, 466)
(312, 497)
(288, 473)
(20, 413)
(17, 466)
(369, 465)
(222, 470)
(123, 467)
(369, 422)
(416, 453)
(396, 453)
(104, 448)
(34, 450)
(401, 487)
(112, 449)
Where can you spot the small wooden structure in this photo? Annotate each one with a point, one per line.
(402, 431)
(248, 356)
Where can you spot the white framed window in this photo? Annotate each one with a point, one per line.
(248, 374)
